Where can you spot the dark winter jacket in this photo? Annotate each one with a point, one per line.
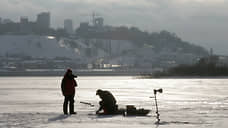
(108, 102)
(108, 98)
(68, 85)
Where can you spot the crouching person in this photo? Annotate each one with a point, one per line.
(107, 103)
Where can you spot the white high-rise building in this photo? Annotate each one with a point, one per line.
(68, 26)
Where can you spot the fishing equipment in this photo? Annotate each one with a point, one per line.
(156, 104)
(87, 103)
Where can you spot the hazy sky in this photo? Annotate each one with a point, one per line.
(202, 22)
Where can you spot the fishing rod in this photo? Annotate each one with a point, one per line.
(156, 104)
(87, 103)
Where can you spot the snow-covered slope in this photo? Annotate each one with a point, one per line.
(35, 46)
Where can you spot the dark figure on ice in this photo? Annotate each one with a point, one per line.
(107, 103)
(68, 90)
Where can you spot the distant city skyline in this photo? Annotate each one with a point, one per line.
(68, 26)
(202, 22)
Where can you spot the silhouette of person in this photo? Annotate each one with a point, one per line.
(107, 103)
(68, 90)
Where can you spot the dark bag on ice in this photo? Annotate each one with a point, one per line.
(132, 111)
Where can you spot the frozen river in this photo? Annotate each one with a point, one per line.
(27, 102)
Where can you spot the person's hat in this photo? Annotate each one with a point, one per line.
(69, 70)
(99, 91)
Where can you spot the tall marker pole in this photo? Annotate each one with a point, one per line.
(156, 104)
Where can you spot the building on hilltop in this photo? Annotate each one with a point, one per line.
(24, 25)
(41, 26)
(68, 26)
(7, 21)
(43, 21)
(99, 22)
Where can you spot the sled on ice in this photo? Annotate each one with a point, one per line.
(129, 111)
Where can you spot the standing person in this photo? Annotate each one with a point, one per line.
(68, 90)
(107, 103)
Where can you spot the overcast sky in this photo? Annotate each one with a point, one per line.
(202, 22)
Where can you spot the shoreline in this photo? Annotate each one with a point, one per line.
(185, 77)
(137, 75)
(61, 73)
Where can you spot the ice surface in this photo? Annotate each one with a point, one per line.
(36, 102)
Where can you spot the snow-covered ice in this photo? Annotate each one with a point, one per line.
(36, 102)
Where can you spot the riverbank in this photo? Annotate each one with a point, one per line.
(181, 77)
(61, 73)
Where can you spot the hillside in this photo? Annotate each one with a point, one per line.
(132, 50)
(157, 41)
